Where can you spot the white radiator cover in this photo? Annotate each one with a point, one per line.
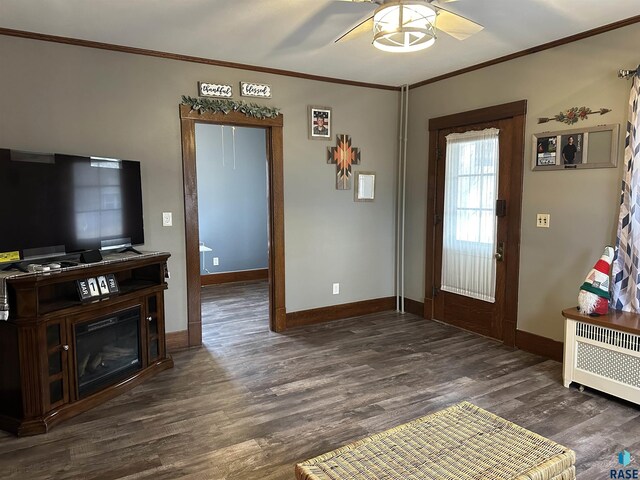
(602, 358)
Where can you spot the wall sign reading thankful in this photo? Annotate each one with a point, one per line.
(214, 90)
(255, 90)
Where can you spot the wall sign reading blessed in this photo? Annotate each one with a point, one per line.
(255, 90)
(214, 90)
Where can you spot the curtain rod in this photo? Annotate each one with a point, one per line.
(629, 73)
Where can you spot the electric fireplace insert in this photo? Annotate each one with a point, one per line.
(107, 350)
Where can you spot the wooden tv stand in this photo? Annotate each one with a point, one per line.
(42, 380)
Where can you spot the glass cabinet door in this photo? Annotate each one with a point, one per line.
(153, 328)
(57, 364)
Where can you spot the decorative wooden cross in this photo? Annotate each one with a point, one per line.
(343, 155)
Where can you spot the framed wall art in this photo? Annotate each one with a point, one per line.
(365, 187)
(592, 147)
(344, 155)
(319, 123)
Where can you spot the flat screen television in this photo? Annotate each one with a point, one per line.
(52, 204)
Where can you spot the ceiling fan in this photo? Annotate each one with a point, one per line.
(409, 25)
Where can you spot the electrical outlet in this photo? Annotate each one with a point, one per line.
(167, 219)
(216, 261)
(336, 288)
(543, 220)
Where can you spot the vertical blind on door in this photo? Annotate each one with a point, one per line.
(469, 220)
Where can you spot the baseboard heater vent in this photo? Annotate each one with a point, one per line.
(626, 341)
(602, 358)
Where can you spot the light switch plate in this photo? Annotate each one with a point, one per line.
(167, 219)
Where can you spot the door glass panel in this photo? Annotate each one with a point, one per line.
(53, 335)
(55, 363)
(152, 312)
(153, 327)
(153, 350)
(469, 221)
(55, 391)
(153, 305)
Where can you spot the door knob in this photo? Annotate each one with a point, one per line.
(65, 348)
(499, 255)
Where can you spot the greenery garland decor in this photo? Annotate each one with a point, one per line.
(574, 114)
(219, 105)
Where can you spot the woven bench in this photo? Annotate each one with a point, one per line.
(458, 443)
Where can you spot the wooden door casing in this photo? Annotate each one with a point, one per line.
(275, 163)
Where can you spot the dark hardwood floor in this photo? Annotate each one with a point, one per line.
(251, 403)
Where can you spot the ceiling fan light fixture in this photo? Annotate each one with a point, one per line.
(404, 26)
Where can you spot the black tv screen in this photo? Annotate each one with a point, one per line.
(56, 203)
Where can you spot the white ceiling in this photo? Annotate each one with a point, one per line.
(298, 35)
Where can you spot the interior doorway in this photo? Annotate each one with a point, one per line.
(275, 199)
(473, 233)
(231, 164)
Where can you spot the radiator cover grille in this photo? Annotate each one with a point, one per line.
(609, 363)
(628, 341)
(613, 364)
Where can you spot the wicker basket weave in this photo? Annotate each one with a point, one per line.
(462, 442)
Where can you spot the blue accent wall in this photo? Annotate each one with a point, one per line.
(232, 197)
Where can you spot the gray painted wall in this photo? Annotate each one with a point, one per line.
(65, 98)
(583, 204)
(71, 99)
(232, 197)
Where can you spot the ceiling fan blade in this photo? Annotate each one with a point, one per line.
(365, 26)
(456, 25)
